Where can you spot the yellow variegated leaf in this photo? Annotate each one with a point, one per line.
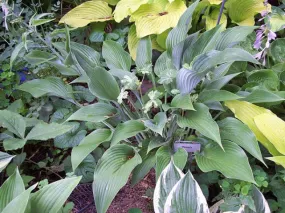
(242, 12)
(246, 112)
(133, 42)
(87, 12)
(215, 1)
(157, 17)
(126, 7)
(212, 18)
(273, 128)
(278, 160)
(111, 2)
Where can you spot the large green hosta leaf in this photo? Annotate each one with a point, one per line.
(87, 12)
(235, 131)
(5, 160)
(112, 173)
(231, 162)
(14, 122)
(52, 86)
(158, 123)
(94, 113)
(166, 181)
(242, 12)
(127, 130)
(52, 197)
(186, 196)
(115, 55)
(216, 95)
(103, 85)
(88, 144)
(14, 143)
(202, 121)
(11, 188)
(157, 17)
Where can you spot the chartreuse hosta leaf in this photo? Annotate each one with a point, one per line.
(246, 112)
(103, 85)
(231, 162)
(51, 86)
(87, 12)
(11, 188)
(278, 160)
(186, 196)
(242, 12)
(158, 123)
(88, 144)
(52, 197)
(157, 17)
(166, 181)
(126, 130)
(277, 19)
(5, 160)
(273, 128)
(133, 41)
(202, 121)
(94, 113)
(164, 155)
(235, 131)
(212, 19)
(125, 8)
(115, 55)
(44, 131)
(14, 122)
(112, 173)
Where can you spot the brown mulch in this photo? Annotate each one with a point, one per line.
(127, 198)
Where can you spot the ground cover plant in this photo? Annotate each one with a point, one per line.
(106, 92)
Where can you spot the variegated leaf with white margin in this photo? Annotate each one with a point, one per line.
(166, 181)
(186, 197)
(5, 160)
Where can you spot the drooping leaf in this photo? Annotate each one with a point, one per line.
(116, 57)
(246, 112)
(37, 57)
(39, 19)
(273, 128)
(278, 160)
(125, 8)
(126, 130)
(164, 155)
(103, 85)
(14, 143)
(44, 131)
(187, 196)
(262, 96)
(235, 131)
(231, 162)
(94, 113)
(202, 121)
(166, 181)
(52, 197)
(88, 144)
(216, 95)
(242, 12)
(14, 122)
(11, 188)
(155, 18)
(5, 160)
(112, 173)
(52, 86)
(155, 142)
(87, 12)
(19, 203)
(158, 123)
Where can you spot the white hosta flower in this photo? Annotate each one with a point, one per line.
(130, 83)
(175, 91)
(123, 95)
(145, 70)
(153, 102)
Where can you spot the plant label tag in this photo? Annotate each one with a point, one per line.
(189, 146)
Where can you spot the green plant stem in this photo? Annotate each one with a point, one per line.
(153, 80)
